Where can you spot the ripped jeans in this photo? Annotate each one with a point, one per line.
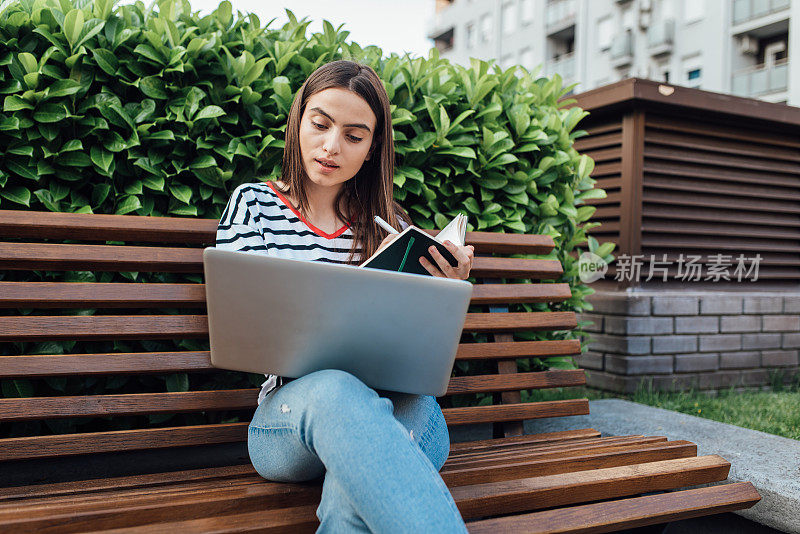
(380, 453)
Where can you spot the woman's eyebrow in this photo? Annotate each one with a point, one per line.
(359, 125)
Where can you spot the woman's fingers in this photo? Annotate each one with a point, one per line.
(431, 268)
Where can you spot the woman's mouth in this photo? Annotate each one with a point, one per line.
(326, 164)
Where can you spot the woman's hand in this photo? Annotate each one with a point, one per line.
(386, 240)
(465, 256)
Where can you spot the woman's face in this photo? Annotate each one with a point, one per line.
(336, 132)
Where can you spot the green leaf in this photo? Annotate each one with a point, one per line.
(22, 170)
(17, 388)
(190, 211)
(28, 62)
(156, 183)
(106, 60)
(202, 162)
(73, 25)
(101, 158)
(128, 204)
(63, 88)
(153, 87)
(209, 112)
(15, 103)
(50, 113)
(18, 194)
(177, 382)
(460, 151)
(181, 192)
(100, 193)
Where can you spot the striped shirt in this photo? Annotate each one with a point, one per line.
(259, 219)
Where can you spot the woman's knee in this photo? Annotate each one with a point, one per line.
(333, 387)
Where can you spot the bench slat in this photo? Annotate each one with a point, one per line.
(510, 452)
(152, 438)
(628, 513)
(516, 382)
(567, 462)
(518, 349)
(72, 257)
(562, 436)
(32, 408)
(525, 494)
(515, 412)
(44, 327)
(597, 517)
(473, 501)
(120, 440)
(99, 227)
(35, 365)
(136, 295)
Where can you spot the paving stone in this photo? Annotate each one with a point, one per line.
(769, 462)
(755, 377)
(675, 305)
(597, 322)
(687, 363)
(612, 382)
(761, 341)
(590, 360)
(638, 325)
(719, 379)
(620, 303)
(720, 342)
(740, 323)
(638, 365)
(720, 304)
(739, 360)
(674, 344)
(779, 358)
(790, 341)
(791, 304)
(620, 344)
(781, 323)
(696, 325)
(763, 304)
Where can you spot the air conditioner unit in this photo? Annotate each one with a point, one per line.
(748, 45)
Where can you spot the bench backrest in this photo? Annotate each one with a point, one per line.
(49, 311)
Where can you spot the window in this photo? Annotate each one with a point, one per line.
(693, 10)
(629, 18)
(692, 72)
(471, 35)
(605, 32)
(486, 28)
(527, 11)
(509, 19)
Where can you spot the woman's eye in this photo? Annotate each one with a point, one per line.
(318, 126)
(354, 138)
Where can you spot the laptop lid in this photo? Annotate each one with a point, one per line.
(394, 331)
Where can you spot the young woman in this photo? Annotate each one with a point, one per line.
(379, 451)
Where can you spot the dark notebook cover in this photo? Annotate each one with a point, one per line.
(404, 252)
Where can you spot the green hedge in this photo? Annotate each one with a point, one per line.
(159, 111)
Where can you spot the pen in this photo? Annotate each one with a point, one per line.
(383, 224)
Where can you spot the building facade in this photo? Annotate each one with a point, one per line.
(739, 47)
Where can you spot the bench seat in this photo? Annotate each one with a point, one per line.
(568, 481)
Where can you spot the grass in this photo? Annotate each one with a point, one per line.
(775, 412)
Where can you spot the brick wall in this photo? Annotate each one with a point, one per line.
(697, 340)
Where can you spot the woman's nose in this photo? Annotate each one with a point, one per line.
(331, 144)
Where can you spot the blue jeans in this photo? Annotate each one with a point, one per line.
(380, 455)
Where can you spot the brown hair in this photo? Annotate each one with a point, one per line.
(370, 191)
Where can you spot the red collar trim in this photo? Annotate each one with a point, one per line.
(313, 228)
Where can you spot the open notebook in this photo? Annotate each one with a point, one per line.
(404, 252)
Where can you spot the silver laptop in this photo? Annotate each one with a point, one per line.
(394, 331)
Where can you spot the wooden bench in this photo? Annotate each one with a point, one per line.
(573, 481)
